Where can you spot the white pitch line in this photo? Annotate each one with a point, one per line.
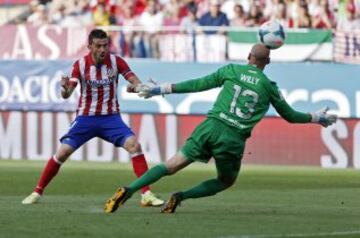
(321, 234)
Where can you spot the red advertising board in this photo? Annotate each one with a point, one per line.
(44, 42)
(34, 135)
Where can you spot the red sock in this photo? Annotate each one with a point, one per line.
(51, 169)
(140, 167)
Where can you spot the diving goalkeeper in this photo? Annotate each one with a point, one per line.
(245, 97)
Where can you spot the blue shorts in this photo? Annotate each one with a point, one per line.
(107, 127)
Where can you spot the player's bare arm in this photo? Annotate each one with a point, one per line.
(66, 87)
(134, 82)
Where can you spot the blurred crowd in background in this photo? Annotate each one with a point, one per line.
(149, 22)
(319, 14)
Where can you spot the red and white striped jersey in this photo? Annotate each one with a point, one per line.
(98, 84)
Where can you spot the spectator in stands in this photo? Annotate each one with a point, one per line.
(303, 19)
(280, 14)
(271, 8)
(103, 12)
(185, 6)
(189, 23)
(171, 13)
(239, 16)
(246, 4)
(58, 15)
(324, 19)
(128, 19)
(292, 8)
(255, 16)
(101, 16)
(172, 6)
(351, 22)
(139, 6)
(70, 13)
(214, 17)
(357, 8)
(202, 6)
(151, 20)
(228, 8)
(39, 15)
(126, 14)
(107, 6)
(314, 7)
(44, 2)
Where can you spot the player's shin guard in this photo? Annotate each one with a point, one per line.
(140, 167)
(51, 169)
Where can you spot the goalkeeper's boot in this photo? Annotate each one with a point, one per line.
(119, 198)
(171, 205)
(148, 199)
(32, 198)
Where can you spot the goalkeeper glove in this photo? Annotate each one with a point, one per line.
(323, 118)
(147, 90)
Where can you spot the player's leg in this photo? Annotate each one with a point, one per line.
(227, 149)
(138, 160)
(140, 167)
(117, 132)
(227, 171)
(79, 133)
(170, 167)
(227, 174)
(50, 170)
(194, 149)
(214, 139)
(53, 165)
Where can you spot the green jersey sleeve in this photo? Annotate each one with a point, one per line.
(284, 109)
(213, 80)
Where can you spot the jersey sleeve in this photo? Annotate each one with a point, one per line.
(123, 68)
(284, 109)
(75, 74)
(213, 80)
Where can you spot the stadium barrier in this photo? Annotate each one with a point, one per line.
(34, 136)
(33, 116)
(347, 47)
(34, 85)
(170, 43)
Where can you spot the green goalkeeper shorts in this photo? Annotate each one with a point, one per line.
(213, 138)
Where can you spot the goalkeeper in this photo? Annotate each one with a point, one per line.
(243, 101)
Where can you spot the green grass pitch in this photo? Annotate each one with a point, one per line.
(265, 202)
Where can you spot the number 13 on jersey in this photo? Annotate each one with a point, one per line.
(246, 107)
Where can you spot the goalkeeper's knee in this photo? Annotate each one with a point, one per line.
(228, 181)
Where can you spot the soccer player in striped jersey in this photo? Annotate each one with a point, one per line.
(243, 101)
(98, 113)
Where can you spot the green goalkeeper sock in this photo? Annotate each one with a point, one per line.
(151, 176)
(206, 188)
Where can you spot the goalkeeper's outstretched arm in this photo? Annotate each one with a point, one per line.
(321, 117)
(288, 113)
(194, 85)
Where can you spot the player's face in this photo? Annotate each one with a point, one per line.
(99, 49)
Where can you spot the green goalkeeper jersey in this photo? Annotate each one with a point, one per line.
(245, 97)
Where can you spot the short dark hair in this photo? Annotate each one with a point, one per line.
(98, 34)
